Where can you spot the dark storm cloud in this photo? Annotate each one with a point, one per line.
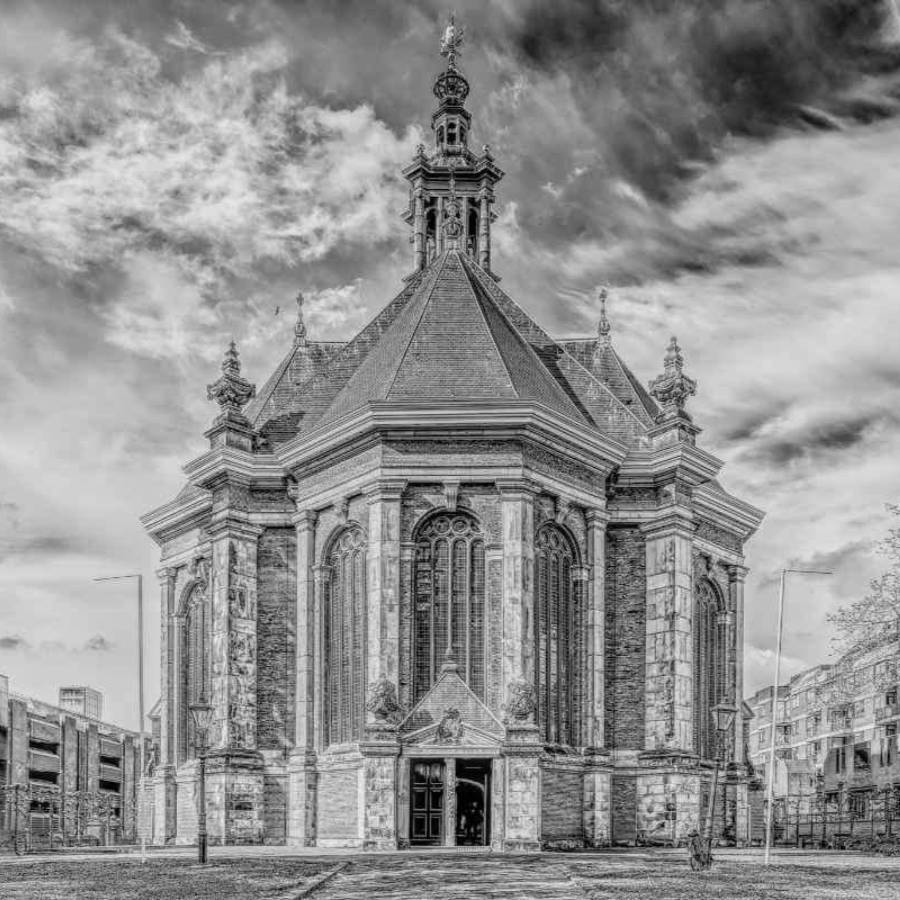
(98, 644)
(13, 642)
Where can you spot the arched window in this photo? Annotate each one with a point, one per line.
(196, 667)
(556, 608)
(710, 677)
(451, 132)
(449, 601)
(345, 637)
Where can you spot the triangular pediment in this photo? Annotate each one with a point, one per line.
(434, 721)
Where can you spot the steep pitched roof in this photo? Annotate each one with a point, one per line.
(450, 335)
(450, 342)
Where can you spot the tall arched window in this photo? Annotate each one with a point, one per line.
(449, 601)
(710, 677)
(345, 637)
(196, 665)
(556, 607)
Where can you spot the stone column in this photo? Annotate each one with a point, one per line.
(163, 784)
(439, 226)
(301, 766)
(669, 659)
(419, 224)
(595, 630)
(517, 516)
(484, 230)
(450, 802)
(737, 575)
(383, 588)
(321, 574)
(235, 780)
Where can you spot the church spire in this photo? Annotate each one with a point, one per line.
(673, 387)
(451, 188)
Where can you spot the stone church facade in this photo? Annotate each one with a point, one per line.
(452, 581)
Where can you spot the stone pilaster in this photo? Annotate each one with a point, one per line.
(595, 630)
(669, 638)
(380, 782)
(597, 805)
(522, 790)
(383, 588)
(234, 636)
(450, 802)
(168, 677)
(736, 577)
(321, 574)
(301, 824)
(517, 516)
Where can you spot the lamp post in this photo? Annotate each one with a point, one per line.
(139, 811)
(770, 773)
(202, 713)
(723, 719)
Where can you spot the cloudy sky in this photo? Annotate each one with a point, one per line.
(173, 171)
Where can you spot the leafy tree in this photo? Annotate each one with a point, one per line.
(874, 619)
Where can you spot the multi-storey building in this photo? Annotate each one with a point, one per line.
(836, 732)
(453, 581)
(52, 758)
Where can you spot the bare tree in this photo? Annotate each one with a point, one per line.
(874, 619)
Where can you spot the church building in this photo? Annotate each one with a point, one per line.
(453, 581)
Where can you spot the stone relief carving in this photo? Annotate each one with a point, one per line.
(382, 701)
(450, 728)
(241, 713)
(240, 601)
(707, 531)
(521, 703)
(198, 571)
(242, 653)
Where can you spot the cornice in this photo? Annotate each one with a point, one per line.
(177, 515)
(258, 469)
(686, 461)
(725, 510)
(486, 418)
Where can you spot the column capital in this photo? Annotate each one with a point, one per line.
(596, 517)
(321, 573)
(582, 573)
(305, 519)
(164, 573)
(232, 527)
(516, 488)
(674, 520)
(737, 573)
(385, 489)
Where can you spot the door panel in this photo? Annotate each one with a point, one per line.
(427, 802)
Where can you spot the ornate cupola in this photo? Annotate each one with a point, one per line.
(451, 188)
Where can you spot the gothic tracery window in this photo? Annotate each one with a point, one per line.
(710, 675)
(345, 637)
(449, 601)
(556, 662)
(196, 665)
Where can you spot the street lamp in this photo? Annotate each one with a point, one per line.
(723, 720)
(140, 611)
(202, 714)
(770, 774)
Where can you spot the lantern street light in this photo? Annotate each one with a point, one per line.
(202, 713)
(701, 850)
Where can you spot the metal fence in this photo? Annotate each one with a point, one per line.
(36, 818)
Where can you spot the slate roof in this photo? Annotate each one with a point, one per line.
(451, 335)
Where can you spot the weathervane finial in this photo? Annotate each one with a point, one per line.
(603, 327)
(452, 40)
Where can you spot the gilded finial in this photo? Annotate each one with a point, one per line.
(603, 327)
(300, 326)
(452, 41)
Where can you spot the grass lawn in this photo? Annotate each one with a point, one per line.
(158, 879)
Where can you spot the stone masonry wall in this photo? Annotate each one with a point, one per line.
(275, 635)
(562, 823)
(626, 638)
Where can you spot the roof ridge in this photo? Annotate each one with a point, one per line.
(484, 319)
(442, 261)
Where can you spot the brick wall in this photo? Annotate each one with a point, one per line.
(624, 809)
(276, 621)
(625, 638)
